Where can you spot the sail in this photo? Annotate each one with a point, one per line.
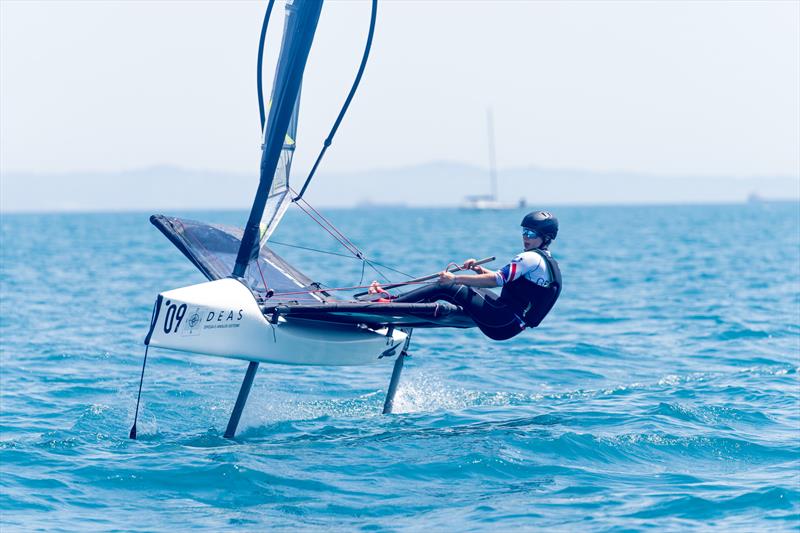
(298, 33)
(280, 196)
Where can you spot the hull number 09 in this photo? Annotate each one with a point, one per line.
(173, 316)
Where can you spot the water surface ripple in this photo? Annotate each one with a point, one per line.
(662, 392)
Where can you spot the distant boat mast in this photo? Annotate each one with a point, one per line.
(492, 159)
(489, 202)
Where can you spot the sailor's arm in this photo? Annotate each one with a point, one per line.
(518, 267)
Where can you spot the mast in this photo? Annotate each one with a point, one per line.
(492, 164)
(301, 24)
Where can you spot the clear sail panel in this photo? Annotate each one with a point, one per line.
(280, 194)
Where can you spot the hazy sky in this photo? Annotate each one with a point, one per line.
(697, 88)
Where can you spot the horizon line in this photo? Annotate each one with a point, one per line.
(137, 210)
(433, 162)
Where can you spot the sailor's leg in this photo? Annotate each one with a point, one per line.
(453, 293)
(241, 400)
(494, 318)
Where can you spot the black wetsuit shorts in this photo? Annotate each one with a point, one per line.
(494, 318)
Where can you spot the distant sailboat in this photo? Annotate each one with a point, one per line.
(489, 202)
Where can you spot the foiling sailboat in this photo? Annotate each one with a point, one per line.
(257, 307)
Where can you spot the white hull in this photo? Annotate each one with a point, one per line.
(222, 318)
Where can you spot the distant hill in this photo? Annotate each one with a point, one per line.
(433, 184)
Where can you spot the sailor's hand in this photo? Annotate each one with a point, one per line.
(375, 288)
(446, 278)
(469, 264)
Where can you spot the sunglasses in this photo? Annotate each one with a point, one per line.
(529, 233)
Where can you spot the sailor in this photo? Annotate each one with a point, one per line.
(531, 284)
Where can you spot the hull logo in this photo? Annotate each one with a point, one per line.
(194, 322)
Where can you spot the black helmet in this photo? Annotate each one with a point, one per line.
(543, 223)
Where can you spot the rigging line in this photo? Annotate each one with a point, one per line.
(330, 289)
(373, 267)
(355, 252)
(363, 268)
(341, 238)
(344, 241)
(390, 268)
(261, 63)
(360, 254)
(258, 264)
(352, 93)
(329, 227)
(347, 256)
(312, 249)
(319, 218)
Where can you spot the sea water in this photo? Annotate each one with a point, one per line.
(662, 391)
